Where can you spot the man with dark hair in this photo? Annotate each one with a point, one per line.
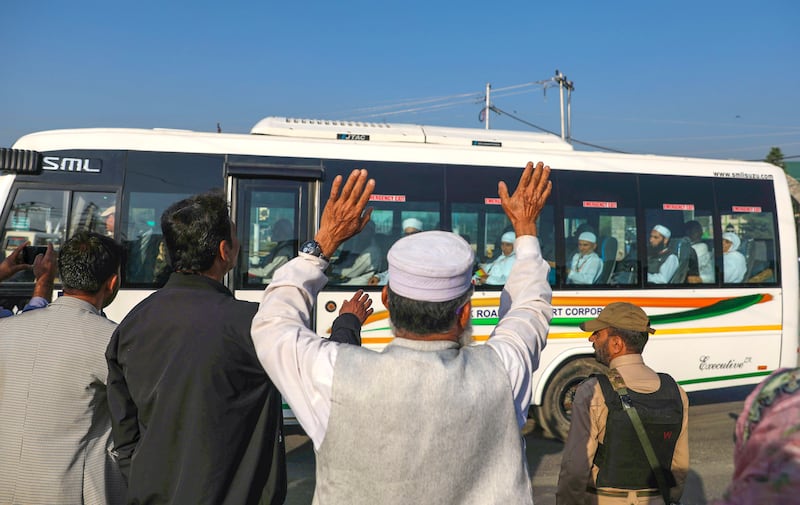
(603, 459)
(56, 434)
(195, 417)
(429, 419)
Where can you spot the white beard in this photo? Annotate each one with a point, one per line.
(465, 338)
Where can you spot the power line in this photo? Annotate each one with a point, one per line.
(437, 103)
(512, 116)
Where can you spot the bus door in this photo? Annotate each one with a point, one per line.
(274, 202)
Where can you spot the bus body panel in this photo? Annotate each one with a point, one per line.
(708, 336)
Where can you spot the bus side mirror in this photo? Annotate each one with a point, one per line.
(20, 161)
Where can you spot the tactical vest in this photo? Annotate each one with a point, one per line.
(620, 458)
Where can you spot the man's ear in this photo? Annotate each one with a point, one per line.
(616, 343)
(465, 315)
(225, 251)
(112, 283)
(385, 297)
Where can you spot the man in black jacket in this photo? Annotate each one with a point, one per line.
(195, 418)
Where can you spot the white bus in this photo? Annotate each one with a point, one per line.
(713, 331)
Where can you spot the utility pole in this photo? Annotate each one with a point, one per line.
(564, 83)
(488, 103)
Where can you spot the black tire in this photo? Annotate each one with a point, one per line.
(556, 409)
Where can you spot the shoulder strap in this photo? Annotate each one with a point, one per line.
(609, 395)
(619, 386)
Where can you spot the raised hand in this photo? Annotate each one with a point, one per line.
(527, 202)
(346, 211)
(45, 268)
(13, 263)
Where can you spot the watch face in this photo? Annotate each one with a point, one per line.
(311, 247)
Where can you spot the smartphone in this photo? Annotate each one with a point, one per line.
(29, 253)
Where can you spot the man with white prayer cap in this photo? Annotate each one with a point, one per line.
(496, 273)
(428, 419)
(662, 263)
(411, 225)
(109, 216)
(586, 265)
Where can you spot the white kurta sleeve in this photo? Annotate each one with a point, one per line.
(525, 313)
(298, 361)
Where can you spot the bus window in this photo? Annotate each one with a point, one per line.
(37, 216)
(93, 211)
(476, 215)
(391, 225)
(600, 230)
(155, 181)
(268, 221)
(670, 204)
(399, 199)
(748, 232)
(496, 256)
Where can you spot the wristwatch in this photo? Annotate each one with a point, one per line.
(313, 248)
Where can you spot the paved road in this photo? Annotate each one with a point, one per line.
(710, 446)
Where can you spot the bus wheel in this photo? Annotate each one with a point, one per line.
(556, 410)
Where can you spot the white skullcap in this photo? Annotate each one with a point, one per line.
(588, 236)
(412, 222)
(508, 237)
(733, 238)
(108, 211)
(663, 230)
(431, 266)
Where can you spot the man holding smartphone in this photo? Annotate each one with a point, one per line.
(43, 264)
(56, 436)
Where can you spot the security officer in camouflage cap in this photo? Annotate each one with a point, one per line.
(603, 460)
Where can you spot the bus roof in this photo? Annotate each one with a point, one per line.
(400, 132)
(285, 137)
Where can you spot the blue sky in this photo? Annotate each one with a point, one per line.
(717, 79)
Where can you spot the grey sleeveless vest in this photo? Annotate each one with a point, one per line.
(421, 422)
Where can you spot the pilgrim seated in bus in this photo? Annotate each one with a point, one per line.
(705, 256)
(585, 266)
(496, 272)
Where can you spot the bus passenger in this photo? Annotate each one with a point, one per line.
(705, 260)
(187, 393)
(496, 273)
(603, 461)
(734, 265)
(586, 264)
(430, 403)
(109, 219)
(56, 433)
(662, 263)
